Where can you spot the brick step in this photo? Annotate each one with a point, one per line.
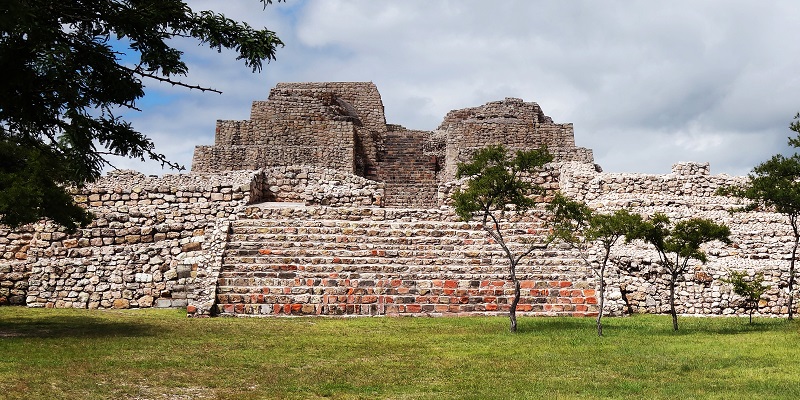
(364, 309)
(317, 225)
(340, 237)
(345, 221)
(465, 278)
(248, 278)
(367, 257)
(332, 256)
(381, 309)
(262, 294)
(277, 246)
(345, 280)
(258, 234)
(393, 265)
(384, 249)
(395, 287)
(381, 255)
(354, 271)
(372, 230)
(432, 297)
(327, 263)
(347, 238)
(562, 301)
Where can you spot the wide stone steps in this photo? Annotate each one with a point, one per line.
(314, 265)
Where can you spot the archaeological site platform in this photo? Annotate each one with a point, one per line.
(315, 205)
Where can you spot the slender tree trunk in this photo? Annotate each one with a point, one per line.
(512, 313)
(791, 275)
(673, 312)
(602, 301)
(602, 276)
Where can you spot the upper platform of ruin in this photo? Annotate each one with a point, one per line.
(342, 126)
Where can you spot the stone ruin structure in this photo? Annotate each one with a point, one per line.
(317, 206)
(341, 126)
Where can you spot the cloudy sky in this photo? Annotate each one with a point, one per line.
(646, 83)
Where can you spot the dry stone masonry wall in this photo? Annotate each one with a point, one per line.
(513, 123)
(14, 271)
(317, 206)
(134, 252)
(311, 185)
(341, 126)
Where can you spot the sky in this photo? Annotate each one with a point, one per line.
(646, 84)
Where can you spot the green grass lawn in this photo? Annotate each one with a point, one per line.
(161, 354)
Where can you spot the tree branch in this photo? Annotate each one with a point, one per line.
(168, 80)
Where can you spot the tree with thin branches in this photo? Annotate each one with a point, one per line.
(774, 185)
(750, 289)
(495, 182)
(577, 225)
(677, 245)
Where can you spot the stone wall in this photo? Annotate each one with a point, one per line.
(686, 183)
(300, 140)
(513, 123)
(341, 126)
(761, 240)
(14, 273)
(319, 186)
(336, 125)
(192, 241)
(134, 252)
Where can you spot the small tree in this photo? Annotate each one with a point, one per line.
(750, 290)
(579, 226)
(494, 183)
(678, 245)
(775, 185)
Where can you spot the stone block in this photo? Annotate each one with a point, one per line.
(121, 303)
(163, 303)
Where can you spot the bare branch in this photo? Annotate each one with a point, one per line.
(168, 80)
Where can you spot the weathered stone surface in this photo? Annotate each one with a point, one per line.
(122, 303)
(350, 216)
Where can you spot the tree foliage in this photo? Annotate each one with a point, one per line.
(775, 185)
(578, 225)
(749, 289)
(496, 181)
(679, 244)
(64, 81)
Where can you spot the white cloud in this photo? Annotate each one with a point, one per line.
(647, 84)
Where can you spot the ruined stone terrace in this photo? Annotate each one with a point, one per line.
(316, 206)
(342, 126)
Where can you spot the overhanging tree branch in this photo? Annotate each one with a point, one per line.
(59, 68)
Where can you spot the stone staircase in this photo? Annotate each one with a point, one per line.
(378, 261)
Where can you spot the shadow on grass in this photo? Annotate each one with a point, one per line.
(548, 325)
(71, 326)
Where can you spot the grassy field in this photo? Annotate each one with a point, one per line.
(158, 354)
